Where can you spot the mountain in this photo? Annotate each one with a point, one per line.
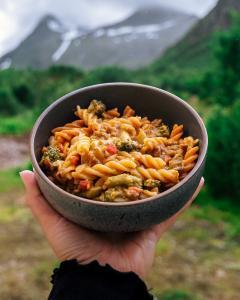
(36, 50)
(133, 42)
(195, 48)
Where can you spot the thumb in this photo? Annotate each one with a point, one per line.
(44, 213)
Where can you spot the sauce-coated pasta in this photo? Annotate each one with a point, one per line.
(108, 157)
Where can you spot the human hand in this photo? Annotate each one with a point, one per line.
(123, 252)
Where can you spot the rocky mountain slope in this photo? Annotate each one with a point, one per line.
(195, 48)
(132, 43)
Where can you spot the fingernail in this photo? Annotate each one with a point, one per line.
(22, 173)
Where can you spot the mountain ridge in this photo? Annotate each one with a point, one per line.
(194, 48)
(151, 30)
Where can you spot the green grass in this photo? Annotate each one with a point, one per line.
(176, 295)
(14, 213)
(10, 179)
(18, 124)
(217, 211)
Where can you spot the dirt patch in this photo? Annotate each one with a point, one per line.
(14, 151)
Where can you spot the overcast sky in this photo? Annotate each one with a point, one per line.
(18, 17)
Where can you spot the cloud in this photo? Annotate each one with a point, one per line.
(18, 17)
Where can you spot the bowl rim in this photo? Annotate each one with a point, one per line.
(199, 163)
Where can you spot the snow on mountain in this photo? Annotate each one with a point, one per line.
(132, 43)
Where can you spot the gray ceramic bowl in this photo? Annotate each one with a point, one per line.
(120, 217)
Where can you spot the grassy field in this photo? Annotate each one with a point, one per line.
(198, 259)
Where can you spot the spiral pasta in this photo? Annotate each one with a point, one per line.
(149, 161)
(108, 157)
(162, 175)
(177, 132)
(150, 143)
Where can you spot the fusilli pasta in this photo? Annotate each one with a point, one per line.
(108, 157)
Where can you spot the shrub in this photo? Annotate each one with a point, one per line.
(8, 103)
(61, 70)
(221, 83)
(24, 94)
(107, 74)
(223, 164)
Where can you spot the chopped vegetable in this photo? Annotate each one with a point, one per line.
(114, 194)
(176, 162)
(111, 149)
(97, 107)
(133, 192)
(151, 183)
(127, 145)
(123, 180)
(75, 160)
(85, 185)
(163, 131)
(92, 192)
(52, 154)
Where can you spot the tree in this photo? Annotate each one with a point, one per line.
(24, 94)
(223, 164)
(227, 53)
(8, 103)
(106, 74)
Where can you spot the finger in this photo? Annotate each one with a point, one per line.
(162, 227)
(34, 199)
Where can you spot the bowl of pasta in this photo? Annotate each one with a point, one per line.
(118, 157)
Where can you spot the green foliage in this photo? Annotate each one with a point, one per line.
(10, 178)
(221, 84)
(24, 95)
(107, 74)
(65, 71)
(8, 103)
(176, 295)
(18, 124)
(223, 165)
(217, 210)
(227, 52)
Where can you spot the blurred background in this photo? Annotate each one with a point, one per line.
(188, 47)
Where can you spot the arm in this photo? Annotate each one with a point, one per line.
(131, 253)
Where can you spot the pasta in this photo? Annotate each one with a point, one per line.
(106, 156)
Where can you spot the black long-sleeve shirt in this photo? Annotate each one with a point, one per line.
(72, 281)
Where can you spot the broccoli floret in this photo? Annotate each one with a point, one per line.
(92, 193)
(52, 154)
(163, 131)
(114, 194)
(97, 107)
(126, 145)
(151, 183)
(123, 180)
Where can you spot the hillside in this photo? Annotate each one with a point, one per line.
(194, 49)
(36, 50)
(132, 43)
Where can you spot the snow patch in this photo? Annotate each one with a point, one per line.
(66, 38)
(99, 33)
(6, 64)
(128, 33)
(142, 29)
(55, 26)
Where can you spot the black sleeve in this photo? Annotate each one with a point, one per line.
(72, 281)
